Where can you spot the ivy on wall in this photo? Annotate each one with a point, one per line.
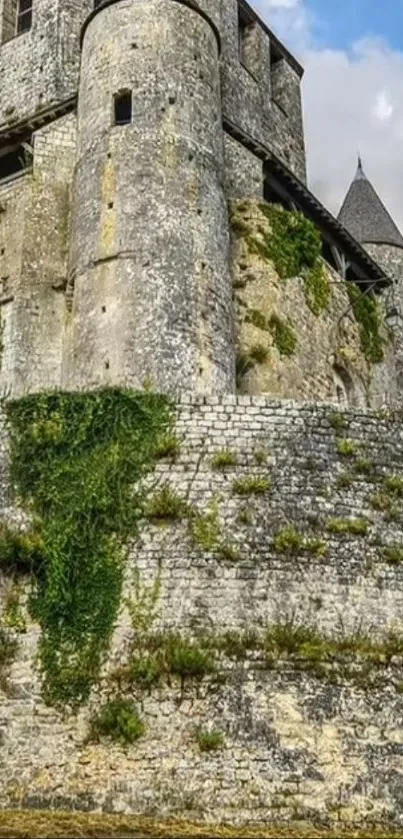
(76, 460)
(369, 316)
(293, 243)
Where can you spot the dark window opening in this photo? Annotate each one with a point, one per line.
(123, 107)
(272, 196)
(328, 255)
(275, 56)
(24, 16)
(14, 161)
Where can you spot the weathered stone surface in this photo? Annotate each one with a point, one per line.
(328, 362)
(296, 744)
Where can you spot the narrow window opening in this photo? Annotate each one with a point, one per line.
(14, 160)
(123, 107)
(24, 16)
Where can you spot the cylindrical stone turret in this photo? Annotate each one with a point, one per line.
(152, 299)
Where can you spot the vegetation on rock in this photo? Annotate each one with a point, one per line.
(76, 464)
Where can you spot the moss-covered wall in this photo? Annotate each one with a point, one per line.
(299, 335)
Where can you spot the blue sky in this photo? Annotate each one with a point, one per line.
(352, 52)
(338, 23)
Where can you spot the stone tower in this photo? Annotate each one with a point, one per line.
(150, 236)
(367, 219)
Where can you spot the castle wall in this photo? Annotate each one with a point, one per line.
(40, 67)
(327, 360)
(34, 227)
(243, 174)
(149, 252)
(263, 101)
(322, 744)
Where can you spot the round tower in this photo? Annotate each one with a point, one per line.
(149, 267)
(366, 217)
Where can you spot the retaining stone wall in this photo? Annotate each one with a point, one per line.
(297, 743)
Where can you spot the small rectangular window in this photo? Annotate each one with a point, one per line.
(122, 106)
(24, 16)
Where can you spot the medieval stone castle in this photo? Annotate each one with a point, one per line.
(126, 130)
(146, 149)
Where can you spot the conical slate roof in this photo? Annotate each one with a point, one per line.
(364, 215)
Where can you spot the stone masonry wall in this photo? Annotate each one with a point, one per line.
(34, 229)
(323, 745)
(265, 104)
(40, 67)
(328, 361)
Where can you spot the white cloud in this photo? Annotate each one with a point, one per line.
(282, 4)
(353, 102)
(383, 108)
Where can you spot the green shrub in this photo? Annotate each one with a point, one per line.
(20, 552)
(145, 671)
(205, 528)
(251, 485)
(293, 244)
(209, 741)
(228, 551)
(356, 527)
(77, 462)
(381, 501)
(166, 505)
(117, 719)
(13, 617)
(364, 466)
(168, 446)
(393, 554)
(337, 421)
(245, 517)
(224, 459)
(244, 363)
(290, 638)
(256, 318)
(187, 659)
(394, 485)
(317, 289)
(347, 448)
(284, 337)
(259, 354)
(291, 542)
(370, 318)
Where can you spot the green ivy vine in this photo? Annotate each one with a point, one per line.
(294, 245)
(76, 460)
(369, 316)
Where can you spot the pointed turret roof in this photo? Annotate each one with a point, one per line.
(365, 216)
